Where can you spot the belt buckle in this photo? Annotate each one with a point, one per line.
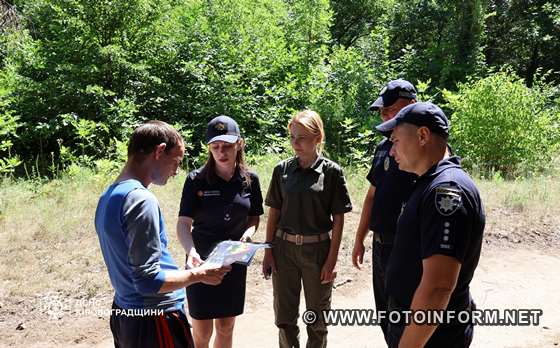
(299, 239)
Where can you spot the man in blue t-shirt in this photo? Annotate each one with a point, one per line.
(148, 307)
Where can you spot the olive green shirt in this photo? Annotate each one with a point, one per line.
(308, 197)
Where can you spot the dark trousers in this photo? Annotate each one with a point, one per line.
(381, 253)
(450, 336)
(169, 330)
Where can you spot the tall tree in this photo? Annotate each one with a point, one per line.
(524, 34)
(83, 69)
(437, 40)
(354, 19)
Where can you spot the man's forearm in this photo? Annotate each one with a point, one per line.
(365, 216)
(439, 279)
(426, 297)
(178, 279)
(363, 226)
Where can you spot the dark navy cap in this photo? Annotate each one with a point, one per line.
(392, 92)
(222, 128)
(419, 114)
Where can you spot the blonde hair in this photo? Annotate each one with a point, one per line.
(312, 122)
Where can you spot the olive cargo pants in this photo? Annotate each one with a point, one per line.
(297, 264)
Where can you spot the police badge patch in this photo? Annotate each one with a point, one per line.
(386, 163)
(448, 200)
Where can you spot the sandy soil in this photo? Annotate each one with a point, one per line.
(507, 277)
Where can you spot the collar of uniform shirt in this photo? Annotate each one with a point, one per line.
(316, 166)
(236, 176)
(453, 161)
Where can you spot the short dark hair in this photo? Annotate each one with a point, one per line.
(147, 136)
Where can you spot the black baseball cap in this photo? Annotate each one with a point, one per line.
(222, 128)
(419, 114)
(392, 92)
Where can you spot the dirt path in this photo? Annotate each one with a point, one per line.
(519, 279)
(505, 278)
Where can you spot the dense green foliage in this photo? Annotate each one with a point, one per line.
(501, 125)
(524, 34)
(77, 75)
(439, 40)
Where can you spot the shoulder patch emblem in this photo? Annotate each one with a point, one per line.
(448, 200)
(386, 163)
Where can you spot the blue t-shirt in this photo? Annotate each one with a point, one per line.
(133, 241)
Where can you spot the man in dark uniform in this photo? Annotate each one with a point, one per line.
(389, 188)
(439, 232)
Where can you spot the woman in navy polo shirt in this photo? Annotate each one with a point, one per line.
(220, 201)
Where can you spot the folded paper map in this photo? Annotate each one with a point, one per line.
(227, 252)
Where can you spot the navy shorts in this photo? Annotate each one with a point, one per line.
(169, 330)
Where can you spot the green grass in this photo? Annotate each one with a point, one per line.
(48, 242)
(47, 234)
(537, 194)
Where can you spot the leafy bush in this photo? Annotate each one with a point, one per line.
(501, 125)
(89, 71)
(9, 124)
(248, 59)
(341, 93)
(437, 39)
(76, 76)
(230, 57)
(81, 68)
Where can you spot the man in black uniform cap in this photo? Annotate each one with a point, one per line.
(389, 188)
(439, 232)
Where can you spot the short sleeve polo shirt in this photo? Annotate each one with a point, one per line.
(444, 215)
(220, 208)
(308, 197)
(392, 188)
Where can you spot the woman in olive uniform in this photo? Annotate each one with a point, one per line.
(220, 201)
(308, 199)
